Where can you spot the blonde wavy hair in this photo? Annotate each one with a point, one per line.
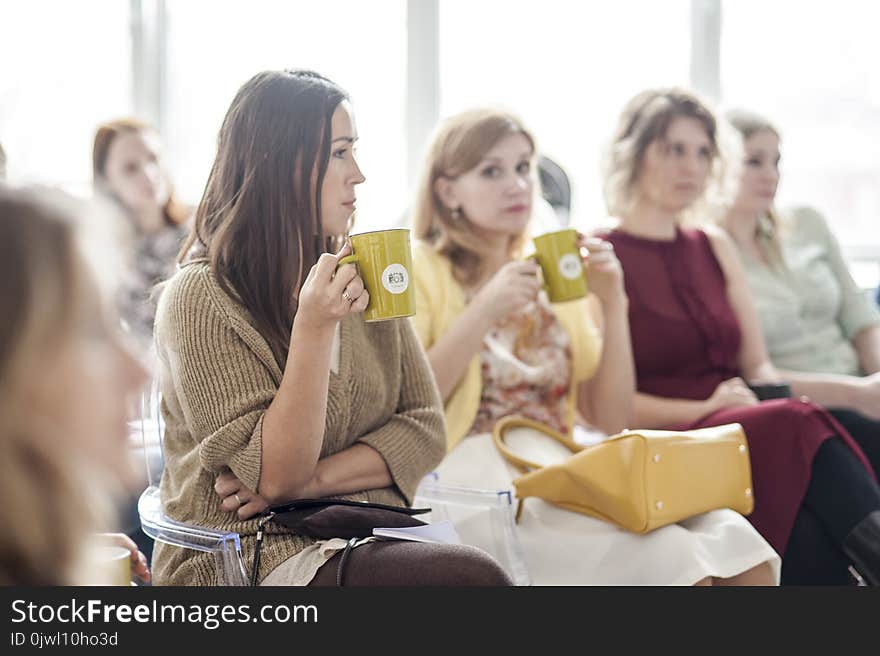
(645, 119)
(50, 502)
(458, 145)
(747, 123)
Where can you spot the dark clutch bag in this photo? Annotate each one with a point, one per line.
(334, 518)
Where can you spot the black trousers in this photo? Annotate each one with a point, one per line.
(864, 430)
(840, 495)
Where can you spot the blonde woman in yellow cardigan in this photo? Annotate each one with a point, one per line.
(498, 347)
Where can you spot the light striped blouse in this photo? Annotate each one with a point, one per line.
(809, 305)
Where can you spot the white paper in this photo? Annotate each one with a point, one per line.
(443, 532)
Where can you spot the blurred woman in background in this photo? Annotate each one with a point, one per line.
(821, 330)
(697, 344)
(64, 380)
(128, 169)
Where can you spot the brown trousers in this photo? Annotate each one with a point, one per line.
(404, 563)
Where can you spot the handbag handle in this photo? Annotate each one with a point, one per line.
(518, 421)
(301, 504)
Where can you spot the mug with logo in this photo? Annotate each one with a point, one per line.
(561, 265)
(384, 263)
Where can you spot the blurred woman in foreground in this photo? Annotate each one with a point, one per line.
(64, 379)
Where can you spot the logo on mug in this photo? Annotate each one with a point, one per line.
(395, 278)
(570, 266)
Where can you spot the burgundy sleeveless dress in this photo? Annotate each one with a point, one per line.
(686, 341)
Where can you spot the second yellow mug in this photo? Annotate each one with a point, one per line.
(384, 262)
(561, 265)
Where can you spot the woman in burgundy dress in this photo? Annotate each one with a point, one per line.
(696, 337)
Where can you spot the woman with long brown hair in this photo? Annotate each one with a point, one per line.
(274, 386)
(128, 169)
(64, 381)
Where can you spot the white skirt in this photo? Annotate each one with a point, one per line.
(563, 547)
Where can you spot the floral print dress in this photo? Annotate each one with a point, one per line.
(526, 368)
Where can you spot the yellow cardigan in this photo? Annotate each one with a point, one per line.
(440, 300)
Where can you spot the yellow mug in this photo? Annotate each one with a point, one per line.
(110, 565)
(384, 263)
(561, 265)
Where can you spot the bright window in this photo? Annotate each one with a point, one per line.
(66, 67)
(812, 69)
(213, 48)
(567, 68)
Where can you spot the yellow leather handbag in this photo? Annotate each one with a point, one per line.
(639, 480)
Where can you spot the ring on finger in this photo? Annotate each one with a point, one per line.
(346, 296)
(238, 498)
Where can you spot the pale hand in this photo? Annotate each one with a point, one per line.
(867, 396)
(603, 270)
(138, 559)
(235, 497)
(331, 292)
(732, 393)
(512, 287)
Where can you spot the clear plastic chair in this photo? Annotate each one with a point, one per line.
(225, 545)
(482, 518)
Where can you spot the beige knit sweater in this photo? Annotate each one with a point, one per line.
(218, 378)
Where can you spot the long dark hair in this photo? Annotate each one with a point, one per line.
(259, 220)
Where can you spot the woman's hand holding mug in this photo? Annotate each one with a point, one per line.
(602, 269)
(330, 293)
(513, 286)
